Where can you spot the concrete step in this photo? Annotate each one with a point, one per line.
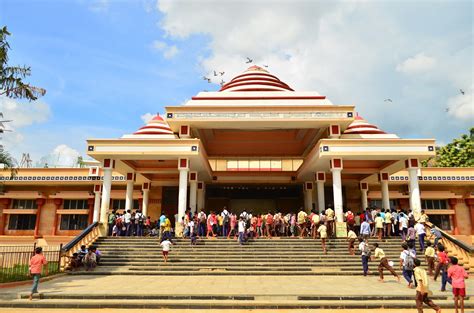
(238, 297)
(221, 304)
(221, 272)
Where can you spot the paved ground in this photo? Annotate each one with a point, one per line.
(4, 310)
(227, 285)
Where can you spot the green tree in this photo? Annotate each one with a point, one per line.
(11, 77)
(12, 85)
(459, 153)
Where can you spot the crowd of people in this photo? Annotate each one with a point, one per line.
(85, 257)
(363, 227)
(128, 223)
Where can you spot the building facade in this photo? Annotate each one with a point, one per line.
(256, 144)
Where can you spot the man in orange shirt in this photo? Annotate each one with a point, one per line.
(36, 266)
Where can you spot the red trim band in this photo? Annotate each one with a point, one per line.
(257, 83)
(262, 98)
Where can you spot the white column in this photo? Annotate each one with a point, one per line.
(415, 200)
(182, 193)
(321, 201)
(95, 217)
(308, 196)
(365, 202)
(320, 180)
(385, 195)
(193, 191)
(200, 196)
(337, 193)
(129, 196)
(105, 203)
(145, 202)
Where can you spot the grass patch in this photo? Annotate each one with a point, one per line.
(19, 272)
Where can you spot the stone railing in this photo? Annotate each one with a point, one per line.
(455, 247)
(88, 236)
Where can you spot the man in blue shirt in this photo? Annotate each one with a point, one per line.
(162, 224)
(365, 229)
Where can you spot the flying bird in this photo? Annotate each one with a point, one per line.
(249, 60)
(462, 91)
(222, 82)
(222, 73)
(447, 109)
(215, 74)
(265, 65)
(388, 100)
(206, 78)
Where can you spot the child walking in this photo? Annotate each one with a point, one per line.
(166, 245)
(351, 237)
(430, 257)
(384, 263)
(422, 290)
(458, 274)
(323, 234)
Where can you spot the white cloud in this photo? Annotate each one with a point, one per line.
(348, 51)
(24, 113)
(420, 63)
(168, 51)
(147, 117)
(462, 106)
(61, 156)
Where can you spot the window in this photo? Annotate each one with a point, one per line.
(434, 204)
(24, 204)
(118, 204)
(22, 222)
(378, 203)
(73, 221)
(75, 205)
(442, 221)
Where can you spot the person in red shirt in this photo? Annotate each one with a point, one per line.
(442, 267)
(458, 274)
(36, 267)
(269, 224)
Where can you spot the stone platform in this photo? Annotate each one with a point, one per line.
(225, 292)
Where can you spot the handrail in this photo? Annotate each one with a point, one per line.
(81, 236)
(455, 241)
(86, 237)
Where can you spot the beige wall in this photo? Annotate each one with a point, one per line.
(154, 202)
(47, 217)
(463, 217)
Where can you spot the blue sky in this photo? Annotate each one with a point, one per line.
(106, 63)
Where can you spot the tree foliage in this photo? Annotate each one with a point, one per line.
(459, 153)
(11, 77)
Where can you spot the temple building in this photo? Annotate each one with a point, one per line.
(255, 144)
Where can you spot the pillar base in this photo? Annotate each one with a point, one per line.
(103, 229)
(341, 229)
(178, 230)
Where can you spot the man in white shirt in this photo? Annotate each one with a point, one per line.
(364, 248)
(403, 220)
(420, 231)
(242, 225)
(407, 258)
(202, 220)
(139, 221)
(127, 217)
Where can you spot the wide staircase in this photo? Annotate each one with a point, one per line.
(279, 273)
(279, 256)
